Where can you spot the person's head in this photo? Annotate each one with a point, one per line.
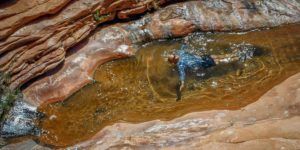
(173, 58)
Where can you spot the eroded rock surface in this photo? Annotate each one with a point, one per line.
(118, 40)
(272, 122)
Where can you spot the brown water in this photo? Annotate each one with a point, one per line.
(142, 88)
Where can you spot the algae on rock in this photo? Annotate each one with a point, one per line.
(7, 96)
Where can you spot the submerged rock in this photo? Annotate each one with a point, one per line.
(20, 121)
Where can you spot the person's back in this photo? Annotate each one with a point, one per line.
(190, 62)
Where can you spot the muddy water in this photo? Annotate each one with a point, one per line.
(142, 88)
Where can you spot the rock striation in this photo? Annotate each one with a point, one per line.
(34, 38)
(116, 41)
(31, 49)
(21, 12)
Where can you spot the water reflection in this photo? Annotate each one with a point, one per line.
(142, 88)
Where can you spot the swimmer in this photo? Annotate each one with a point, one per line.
(186, 61)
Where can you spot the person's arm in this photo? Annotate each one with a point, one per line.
(181, 77)
(181, 83)
(180, 87)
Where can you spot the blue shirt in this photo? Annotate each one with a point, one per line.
(190, 62)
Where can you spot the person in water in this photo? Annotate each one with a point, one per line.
(186, 61)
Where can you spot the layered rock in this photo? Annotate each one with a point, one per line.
(41, 45)
(172, 21)
(272, 122)
(21, 12)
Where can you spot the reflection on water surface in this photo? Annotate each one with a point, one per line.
(142, 88)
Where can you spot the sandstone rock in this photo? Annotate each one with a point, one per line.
(272, 122)
(41, 45)
(108, 44)
(39, 38)
(172, 21)
(25, 145)
(23, 11)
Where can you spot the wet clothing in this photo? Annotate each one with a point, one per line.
(190, 62)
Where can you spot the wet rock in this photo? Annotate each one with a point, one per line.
(117, 41)
(108, 44)
(20, 121)
(25, 145)
(272, 122)
(2, 142)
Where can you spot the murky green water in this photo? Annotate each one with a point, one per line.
(142, 88)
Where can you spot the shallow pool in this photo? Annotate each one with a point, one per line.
(143, 87)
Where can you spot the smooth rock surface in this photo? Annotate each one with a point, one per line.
(25, 145)
(272, 122)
